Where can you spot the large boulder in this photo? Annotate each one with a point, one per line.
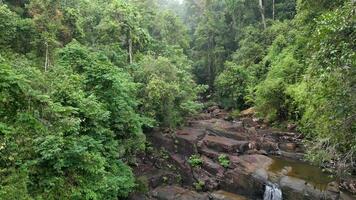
(223, 144)
(160, 140)
(177, 193)
(183, 168)
(186, 140)
(223, 195)
(249, 176)
(297, 189)
(212, 167)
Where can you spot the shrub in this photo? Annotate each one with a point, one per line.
(231, 86)
(224, 160)
(199, 186)
(195, 161)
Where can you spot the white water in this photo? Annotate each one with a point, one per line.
(272, 192)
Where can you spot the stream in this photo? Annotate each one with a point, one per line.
(253, 172)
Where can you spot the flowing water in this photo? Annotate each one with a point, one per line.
(272, 192)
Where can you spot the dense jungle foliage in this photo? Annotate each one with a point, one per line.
(293, 61)
(81, 80)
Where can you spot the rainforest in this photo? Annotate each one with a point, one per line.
(177, 99)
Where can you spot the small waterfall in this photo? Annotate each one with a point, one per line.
(272, 192)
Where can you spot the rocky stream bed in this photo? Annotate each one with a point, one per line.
(263, 163)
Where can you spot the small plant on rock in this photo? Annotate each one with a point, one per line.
(199, 186)
(195, 161)
(224, 160)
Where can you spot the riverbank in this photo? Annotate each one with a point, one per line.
(216, 157)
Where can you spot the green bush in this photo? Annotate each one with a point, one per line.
(168, 91)
(199, 186)
(272, 100)
(195, 161)
(326, 95)
(231, 86)
(224, 160)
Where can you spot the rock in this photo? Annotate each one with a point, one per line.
(251, 131)
(253, 162)
(261, 174)
(138, 197)
(297, 189)
(263, 152)
(291, 155)
(222, 144)
(291, 127)
(249, 176)
(248, 122)
(212, 109)
(289, 147)
(344, 196)
(248, 112)
(187, 139)
(349, 185)
(227, 134)
(177, 193)
(202, 116)
(223, 195)
(268, 145)
(286, 170)
(183, 168)
(156, 177)
(159, 140)
(212, 167)
(209, 152)
(242, 182)
(210, 180)
(333, 187)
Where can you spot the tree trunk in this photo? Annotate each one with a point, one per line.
(46, 58)
(274, 9)
(129, 47)
(262, 11)
(130, 51)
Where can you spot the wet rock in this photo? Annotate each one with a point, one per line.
(242, 182)
(249, 176)
(261, 174)
(177, 193)
(268, 145)
(253, 162)
(297, 189)
(289, 147)
(223, 195)
(262, 152)
(292, 155)
(286, 170)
